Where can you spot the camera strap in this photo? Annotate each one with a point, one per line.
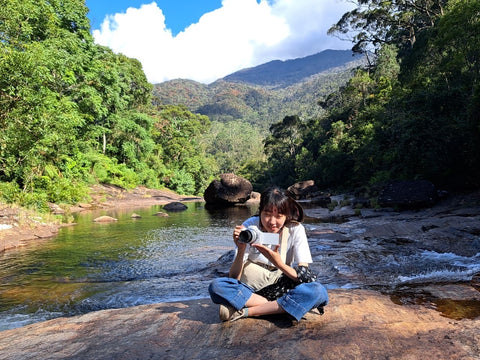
(258, 276)
(283, 244)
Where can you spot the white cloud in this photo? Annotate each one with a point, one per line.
(240, 34)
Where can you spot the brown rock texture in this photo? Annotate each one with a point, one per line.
(21, 235)
(358, 324)
(231, 189)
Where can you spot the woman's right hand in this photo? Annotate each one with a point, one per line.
(237, 265)
(236, 232)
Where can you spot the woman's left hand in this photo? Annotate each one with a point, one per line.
(272, 255)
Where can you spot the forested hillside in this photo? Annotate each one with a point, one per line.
(264, 94)
(73, 113)
(414, 114)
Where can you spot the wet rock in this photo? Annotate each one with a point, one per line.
(161, 214)
(135, 216)
(343, 213)
(307, 190)
(455, 301)
(103, 219)
(357, 324)
(254, 196)
(476, 281)
(408, 194)
(85, 205)
(321, 214)
(453, 292)
(391, 250)
(15, 236)
(175, 206)
(337, 215)
(321, 200)
(453, 236)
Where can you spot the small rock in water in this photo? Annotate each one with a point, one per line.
(162, 214)
(175, 206)
(105, 219)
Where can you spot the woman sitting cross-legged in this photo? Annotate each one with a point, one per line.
(262, 279)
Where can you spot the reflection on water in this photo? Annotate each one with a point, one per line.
(93, 266)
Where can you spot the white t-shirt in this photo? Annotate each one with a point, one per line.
(297, 245)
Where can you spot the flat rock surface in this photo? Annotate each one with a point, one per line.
(357, 324)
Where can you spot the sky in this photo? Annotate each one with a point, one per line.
(204, 40)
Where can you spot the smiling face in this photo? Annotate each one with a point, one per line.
(272, 221)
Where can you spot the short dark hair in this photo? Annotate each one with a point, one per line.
(276, 197)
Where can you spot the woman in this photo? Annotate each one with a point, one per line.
(262, 279)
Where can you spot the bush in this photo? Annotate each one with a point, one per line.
(182, 182)
(9, 192)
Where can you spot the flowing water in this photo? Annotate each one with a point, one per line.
(93, 266)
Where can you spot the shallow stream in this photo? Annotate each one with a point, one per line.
(93, 266)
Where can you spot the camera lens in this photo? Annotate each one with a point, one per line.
(246, 236)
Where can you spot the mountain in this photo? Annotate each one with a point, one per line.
(265, 94)
(279, 73)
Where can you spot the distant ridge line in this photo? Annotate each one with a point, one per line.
(287, 72)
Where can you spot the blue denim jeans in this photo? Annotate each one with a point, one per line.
(297, 302)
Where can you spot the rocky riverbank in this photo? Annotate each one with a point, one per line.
(358, 324)
(439, 321)
(18, 226)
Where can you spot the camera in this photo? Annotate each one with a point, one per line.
(252, 234)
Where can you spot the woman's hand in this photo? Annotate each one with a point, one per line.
(236, 232)
(237, 265)
(276, 259)
(272, 255)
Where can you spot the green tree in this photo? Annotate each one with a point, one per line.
(234, 144)
(282, 147)
(177, 133)
(410, 116)
(438, 116)
(71, 112)
(338, 149)
(374, 23)
(41, 49)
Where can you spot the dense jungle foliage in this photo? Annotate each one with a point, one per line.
(413, 114)
(73, 113)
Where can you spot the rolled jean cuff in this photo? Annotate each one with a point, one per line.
(303, 298)
(229, 291)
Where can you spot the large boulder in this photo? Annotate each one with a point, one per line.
(408, 194)
(307, 189)
(302, 189)
(229, 190)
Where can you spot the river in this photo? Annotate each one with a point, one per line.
(150, 259)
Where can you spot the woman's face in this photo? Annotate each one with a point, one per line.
(272, 220)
